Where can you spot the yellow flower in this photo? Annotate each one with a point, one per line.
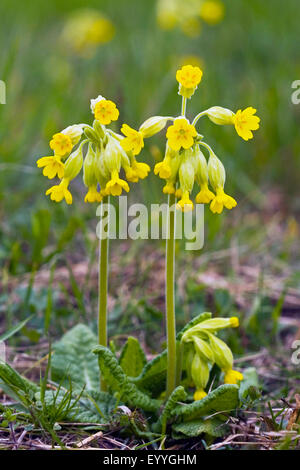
(131, 175)
(133, 141)
(234, 321)
(205, 195)
(199, 394)
(106, 111)
(60, 192)
(61, 144)
(222, 200)
(181, 134)
(52, 166)
(141, 169)
(163, 169)
(85, 29)
(116, 185)
(169, 188)
(189, 76)
(185, 204)
(232, 376)
(93, 195)
(212, 11)
(245, 122)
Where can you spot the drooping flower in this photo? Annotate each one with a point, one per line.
(181, 134)
(60, 191)
(52, 166)
(133, 141)
(222, 200)
(203, 348)
(217, 176)
(245, 122)
(116, 185)
(232, 376)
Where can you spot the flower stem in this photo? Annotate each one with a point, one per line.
(170, 298)
(103, 285)
(183, 106)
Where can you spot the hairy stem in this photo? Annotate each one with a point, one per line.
(170, 298)
(103, 285)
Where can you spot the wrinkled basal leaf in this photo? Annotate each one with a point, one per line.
(153, 377)
(132, 358)
(97, 407)
(224, 398)
(73, 359)
(213, 426)
(117, 380)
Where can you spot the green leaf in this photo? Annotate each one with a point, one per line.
(96, 407)
(153, 376)
(214, 427)
(15, 382)
(73, 359)
(15, 329)
(224, 398)
(250, 384)
(177, 395)
(132, 358)
(198, 319)
(117, 380)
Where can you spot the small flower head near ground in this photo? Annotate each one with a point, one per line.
(203, 349)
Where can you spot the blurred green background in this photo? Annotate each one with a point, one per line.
(250, 58)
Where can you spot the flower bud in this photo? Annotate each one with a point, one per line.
(94, 101)
(73, 164)
(74, 132)
(199, 372)
(187, 172)
(99, 129)
(114, 155)
(153, 125)
(200, 165)
(220, 116)
(222, 353)
(89, 174)
(203, 348)
(216, 172)
(91, 135)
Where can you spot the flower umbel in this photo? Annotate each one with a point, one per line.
(100, 152)
(203, 349)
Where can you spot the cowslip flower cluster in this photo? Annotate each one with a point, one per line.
(203, 349)
(188, 15)
(85, 30)
(184, 164)
(100, 152)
